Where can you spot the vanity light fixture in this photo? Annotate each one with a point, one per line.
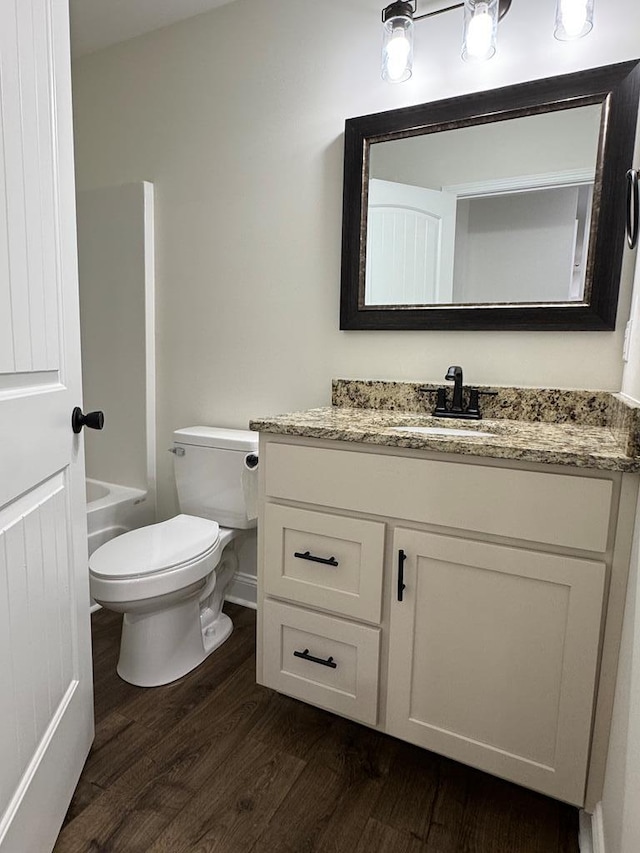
(574, 19)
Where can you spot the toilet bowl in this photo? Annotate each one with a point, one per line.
(169, 579)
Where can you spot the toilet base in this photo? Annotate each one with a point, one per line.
(215, 632)
(158, 648)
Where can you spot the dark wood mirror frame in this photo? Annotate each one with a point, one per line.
(616, 87)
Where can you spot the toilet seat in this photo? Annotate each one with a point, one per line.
(155, 549)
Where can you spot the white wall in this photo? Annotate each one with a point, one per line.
(237, 117)
(621, 800)
(516, 248)
(115, 280)
(631, 373)
(533, 145)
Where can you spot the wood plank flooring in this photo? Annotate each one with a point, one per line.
(215, 762)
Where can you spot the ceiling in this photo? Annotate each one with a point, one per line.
(99, 23)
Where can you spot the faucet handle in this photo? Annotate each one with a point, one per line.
(441, 402)
(473, 407)
(477, 392)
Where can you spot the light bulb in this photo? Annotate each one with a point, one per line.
(574, 16)
(574, 19)
(398, 50)
(480, 26)
(479, 32)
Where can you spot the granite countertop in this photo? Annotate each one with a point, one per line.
(578, 444)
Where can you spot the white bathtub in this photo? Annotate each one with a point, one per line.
(112, 510)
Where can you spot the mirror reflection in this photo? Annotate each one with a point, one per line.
(493, 213)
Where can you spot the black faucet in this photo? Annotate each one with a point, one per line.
(454, 374)
(456, 409)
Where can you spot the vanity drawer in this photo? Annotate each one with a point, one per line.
(327, 561)
(296, 642)
(571, 511)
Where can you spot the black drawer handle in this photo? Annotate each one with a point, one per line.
(326, 561)
(306, 656)
(401, 584)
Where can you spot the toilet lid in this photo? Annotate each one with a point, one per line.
(156, 548)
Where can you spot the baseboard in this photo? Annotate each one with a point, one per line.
(94, 607)
(591, 831)
(243, 590)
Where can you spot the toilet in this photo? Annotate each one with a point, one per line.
(169, 579)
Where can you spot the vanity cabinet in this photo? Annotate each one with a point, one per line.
(457, 604)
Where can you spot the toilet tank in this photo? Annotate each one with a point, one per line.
(209, 472)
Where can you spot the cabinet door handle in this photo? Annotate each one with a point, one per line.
(326, 561)
(306, 656)
(401, 584)
(633, 208)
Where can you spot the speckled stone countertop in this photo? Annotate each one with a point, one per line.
(603, 434)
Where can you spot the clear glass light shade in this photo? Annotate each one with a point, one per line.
(574, 19)
(397, 49)
(480, 29)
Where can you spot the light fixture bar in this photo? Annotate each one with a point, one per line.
(504, 6)
(437, 12)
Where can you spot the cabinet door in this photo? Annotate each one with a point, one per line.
(493, 655)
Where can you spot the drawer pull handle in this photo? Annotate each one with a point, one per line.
(306, 656)
(401, 584)
(326, 561)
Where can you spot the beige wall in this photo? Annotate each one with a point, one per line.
(237, 117)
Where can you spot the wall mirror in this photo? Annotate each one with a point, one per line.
(499, 210)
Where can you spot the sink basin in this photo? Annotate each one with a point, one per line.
(445, 431)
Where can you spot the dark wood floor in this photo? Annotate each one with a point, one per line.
(214, 762)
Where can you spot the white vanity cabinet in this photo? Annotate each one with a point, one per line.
(464, 605)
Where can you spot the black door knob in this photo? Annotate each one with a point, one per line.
(94, 420)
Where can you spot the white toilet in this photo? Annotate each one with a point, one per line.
(169, 579)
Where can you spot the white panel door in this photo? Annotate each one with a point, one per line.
(410, 245)
(46, 712)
